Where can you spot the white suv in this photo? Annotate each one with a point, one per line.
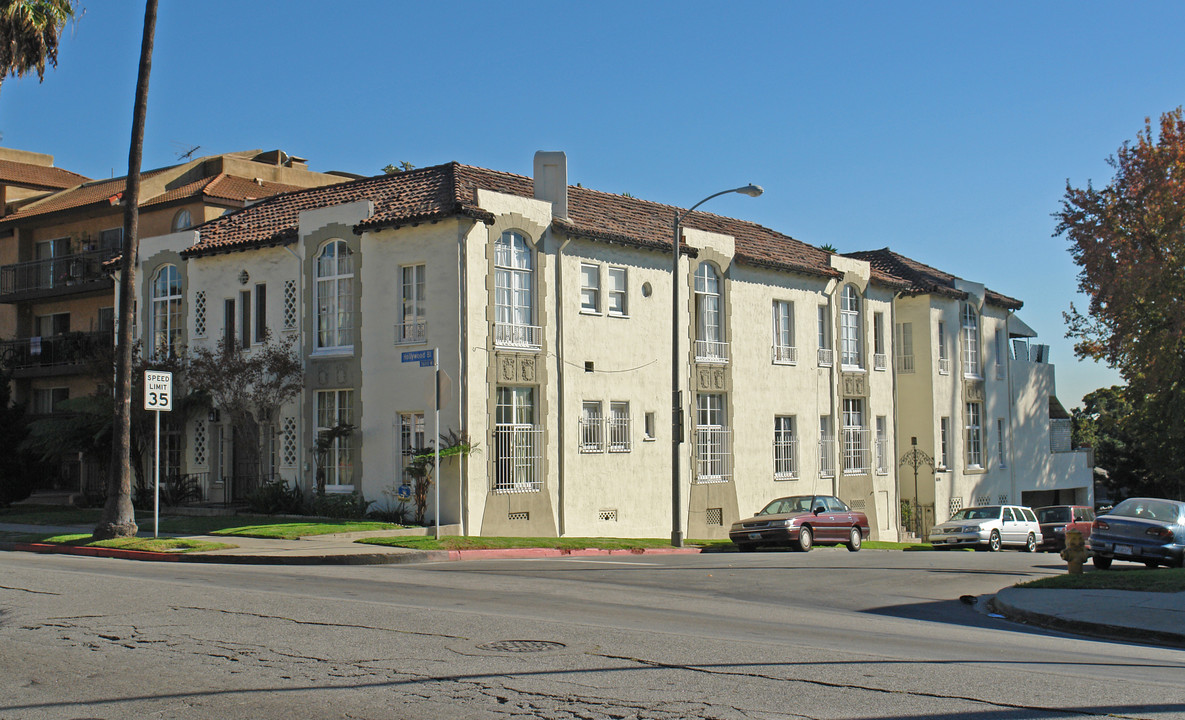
(990, 526)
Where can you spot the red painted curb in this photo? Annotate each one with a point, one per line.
(48, 548)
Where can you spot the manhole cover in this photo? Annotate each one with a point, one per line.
(521, 646)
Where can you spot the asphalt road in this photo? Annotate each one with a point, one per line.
(829, 634)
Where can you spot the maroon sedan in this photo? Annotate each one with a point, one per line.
(801, 522)
(1057, 520)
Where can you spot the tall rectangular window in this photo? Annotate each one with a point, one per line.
(336, 408)
(851, 328)
(784, 350)
(712, 439)
(943, 353)
(826, 352)
(970, 340)
(785, 448)
(592, 427)
(518, 442)
(260, 312)
(514, 303)
(1001, 354)
(334, 296)
(879, 358)
(617, 292)
(619, 426)
(826, 447)
(882, 445)
(1001, 443)
(590, 288)
(413, 318)
(411, 440)
(228, 323)
(245, 308)
(648, 421)
(974, 435)
(905, 347)
(111, 239)
(944, 443)
(855, 437)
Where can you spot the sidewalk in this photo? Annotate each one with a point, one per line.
(1142, 617)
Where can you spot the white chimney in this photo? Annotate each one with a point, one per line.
(551, 181)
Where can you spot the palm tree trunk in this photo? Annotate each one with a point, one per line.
(119, 517)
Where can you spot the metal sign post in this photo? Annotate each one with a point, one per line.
(436, 459)
(158, 396)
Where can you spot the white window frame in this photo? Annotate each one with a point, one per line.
(943, 355)
(412, 437)
(590, 288)
(1001, 443)
(784, 351)
(167, 292)
(974, 422)
(336, 407)
(709, 315)
(944, 443)
(855, 437)
(785, 447)
(713, 446)
(826, 352)
(413, 326)
(880, 360)
(882, 445)
(333, 297)
(969, 341)
(619, 426)
(592, 427)
(826, 447)
(514, 292)
(618, 292)
(851, 346)
(518, 442)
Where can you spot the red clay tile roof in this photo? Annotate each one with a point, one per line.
(222, 187)
(38, 176)
(95, 192)
(441, 191)
(915, 278)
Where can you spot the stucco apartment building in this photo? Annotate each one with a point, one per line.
(59, 228)
(978, 395)
(551, 308)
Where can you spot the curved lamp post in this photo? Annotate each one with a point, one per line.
(676, 395)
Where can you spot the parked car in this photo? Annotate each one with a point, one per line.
(1057, 520)
(990, 526)
(801, 522)
(1147, 530)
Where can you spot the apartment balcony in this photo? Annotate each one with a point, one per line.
(786, 459)
(943, 366)
(518, 458)
(711, 351)
(67, 354)
(785, 355)
(518, 337)
(880, 361)
(66, 275)
(826, 357)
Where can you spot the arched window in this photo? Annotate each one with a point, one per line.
(514, 297)
(334, 296)
(166, 312)
(850, 324)
(182, 220)
(970, 340)
(709, 321)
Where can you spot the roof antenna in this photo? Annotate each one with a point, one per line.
(186, 154)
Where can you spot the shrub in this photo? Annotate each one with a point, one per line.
(345, 506)
(277, 498)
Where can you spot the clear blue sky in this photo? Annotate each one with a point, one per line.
(943, 130)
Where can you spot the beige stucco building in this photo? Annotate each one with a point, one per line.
(550, 306)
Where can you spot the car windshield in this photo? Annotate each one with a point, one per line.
(1053, 514)
(1159, 510)
(979, 513)
(781, 506)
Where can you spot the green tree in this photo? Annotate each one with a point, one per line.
(421, 467)
(1109, 423)
(1128, 239)
(403, 166)
(19, 469)
(119, 517)
(29, 35)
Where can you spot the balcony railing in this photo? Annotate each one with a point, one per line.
(826, 357)
(827, 456)
(592, 434)
(880, 361)
(855, 451)
(526, 337)
(518, 458)
(411, 333)
(882, 456)
(713, 455)
(75, 348)
(785, 354)
(905, 363)
(711, 351)
(786, 459)
(39, 276)
(943, 366)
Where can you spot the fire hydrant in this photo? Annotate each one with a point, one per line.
(1075, 552)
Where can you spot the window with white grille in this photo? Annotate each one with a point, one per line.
(619, 426)
(289, 304)
(944, 443)
(713, 440)
(199, 443)
(288, 454)
(974, 420)
(855, 437)
(904, 347)
(413, 326)
(592, 427)
(709, 319)
(826, 447)
(882, 445)
(784, 350)
(850, 329)
(970, 341)
(785, 448)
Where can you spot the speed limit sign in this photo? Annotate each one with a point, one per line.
(158, 390)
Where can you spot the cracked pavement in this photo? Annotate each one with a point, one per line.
(86, 638)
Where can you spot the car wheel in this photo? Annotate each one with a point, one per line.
(994, 541)
(1031, 543)
(1102, 563)
(855, 539)
(806, 540)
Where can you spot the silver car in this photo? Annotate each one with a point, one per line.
(990, 526)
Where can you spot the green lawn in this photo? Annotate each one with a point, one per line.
(456, 542)
(294, 530)
(172, 545)
(1117, 578)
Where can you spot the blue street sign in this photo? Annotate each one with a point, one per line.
(423, 357)
(404, 492)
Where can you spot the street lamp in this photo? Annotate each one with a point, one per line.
(676, 396)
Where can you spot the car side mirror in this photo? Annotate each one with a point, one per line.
(820, 509)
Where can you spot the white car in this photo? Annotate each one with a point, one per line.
(990, 526)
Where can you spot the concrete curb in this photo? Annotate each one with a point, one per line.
(1079, 627)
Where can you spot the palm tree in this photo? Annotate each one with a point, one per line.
(29, 33)
(119, 517)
